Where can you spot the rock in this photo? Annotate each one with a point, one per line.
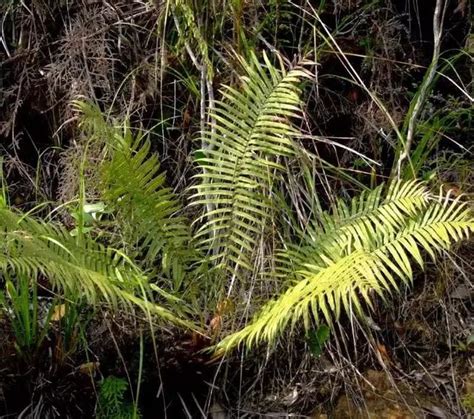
(382, 400)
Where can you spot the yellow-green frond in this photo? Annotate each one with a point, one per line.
(240, 160)
(348, 277)
(98, 274)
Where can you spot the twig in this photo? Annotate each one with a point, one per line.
(103, 29)
(428, 79)
(349, 67)
(205, 86)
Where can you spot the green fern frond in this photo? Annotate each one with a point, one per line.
(133, 187)
(377, 261)
(346, 226)
(253, 130)
(149, 210)
(98, 274)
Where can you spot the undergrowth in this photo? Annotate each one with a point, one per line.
(253, 193)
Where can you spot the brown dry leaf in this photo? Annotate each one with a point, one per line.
(383, 354)
(88, 368)
(199, 340)
(58, 312)
(187, 119)
(461, 7)
(454, 189)
(215, 324)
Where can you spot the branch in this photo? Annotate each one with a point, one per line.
(428, 79)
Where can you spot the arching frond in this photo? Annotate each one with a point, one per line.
(98, 274)
(370, 255)
(253, 130)
(133, 187)
(347, 225)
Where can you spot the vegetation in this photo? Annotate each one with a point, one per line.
(191, 189)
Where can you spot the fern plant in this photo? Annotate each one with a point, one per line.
(32, 247)
(358, 251)
(337, 263)
(111, 403)
(146, 211)
(253, 130)
(74, 266)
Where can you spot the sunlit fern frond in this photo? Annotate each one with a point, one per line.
(374, 258)
(133, 187)
(73, 267)
(345, 227)
(240, 162)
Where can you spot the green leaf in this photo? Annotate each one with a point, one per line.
(360, 251)
(134, 191)
(252, 130)
(100, 274)
(317, 339)
(199, 155)
(470, 340)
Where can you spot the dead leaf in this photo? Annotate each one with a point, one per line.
(215, 324)
(461, 7)
(58, 312)
(383, 354)
(462, 292)
(453, 189)
(88, 368)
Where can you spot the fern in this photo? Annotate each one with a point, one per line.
(365, 249)
(34, 248)
(133, 188)
(253, 130)
(346, 224)
(111, 403)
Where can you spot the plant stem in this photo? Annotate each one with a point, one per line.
(420, 98)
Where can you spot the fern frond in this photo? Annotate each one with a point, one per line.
(253, 130)
(353, 222)
(133, 187)
(98, 274)
(378, 259)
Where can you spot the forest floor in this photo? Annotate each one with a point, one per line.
(137, 61)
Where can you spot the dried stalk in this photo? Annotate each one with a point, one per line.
(424, 88)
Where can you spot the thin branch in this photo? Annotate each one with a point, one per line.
(426, 83)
